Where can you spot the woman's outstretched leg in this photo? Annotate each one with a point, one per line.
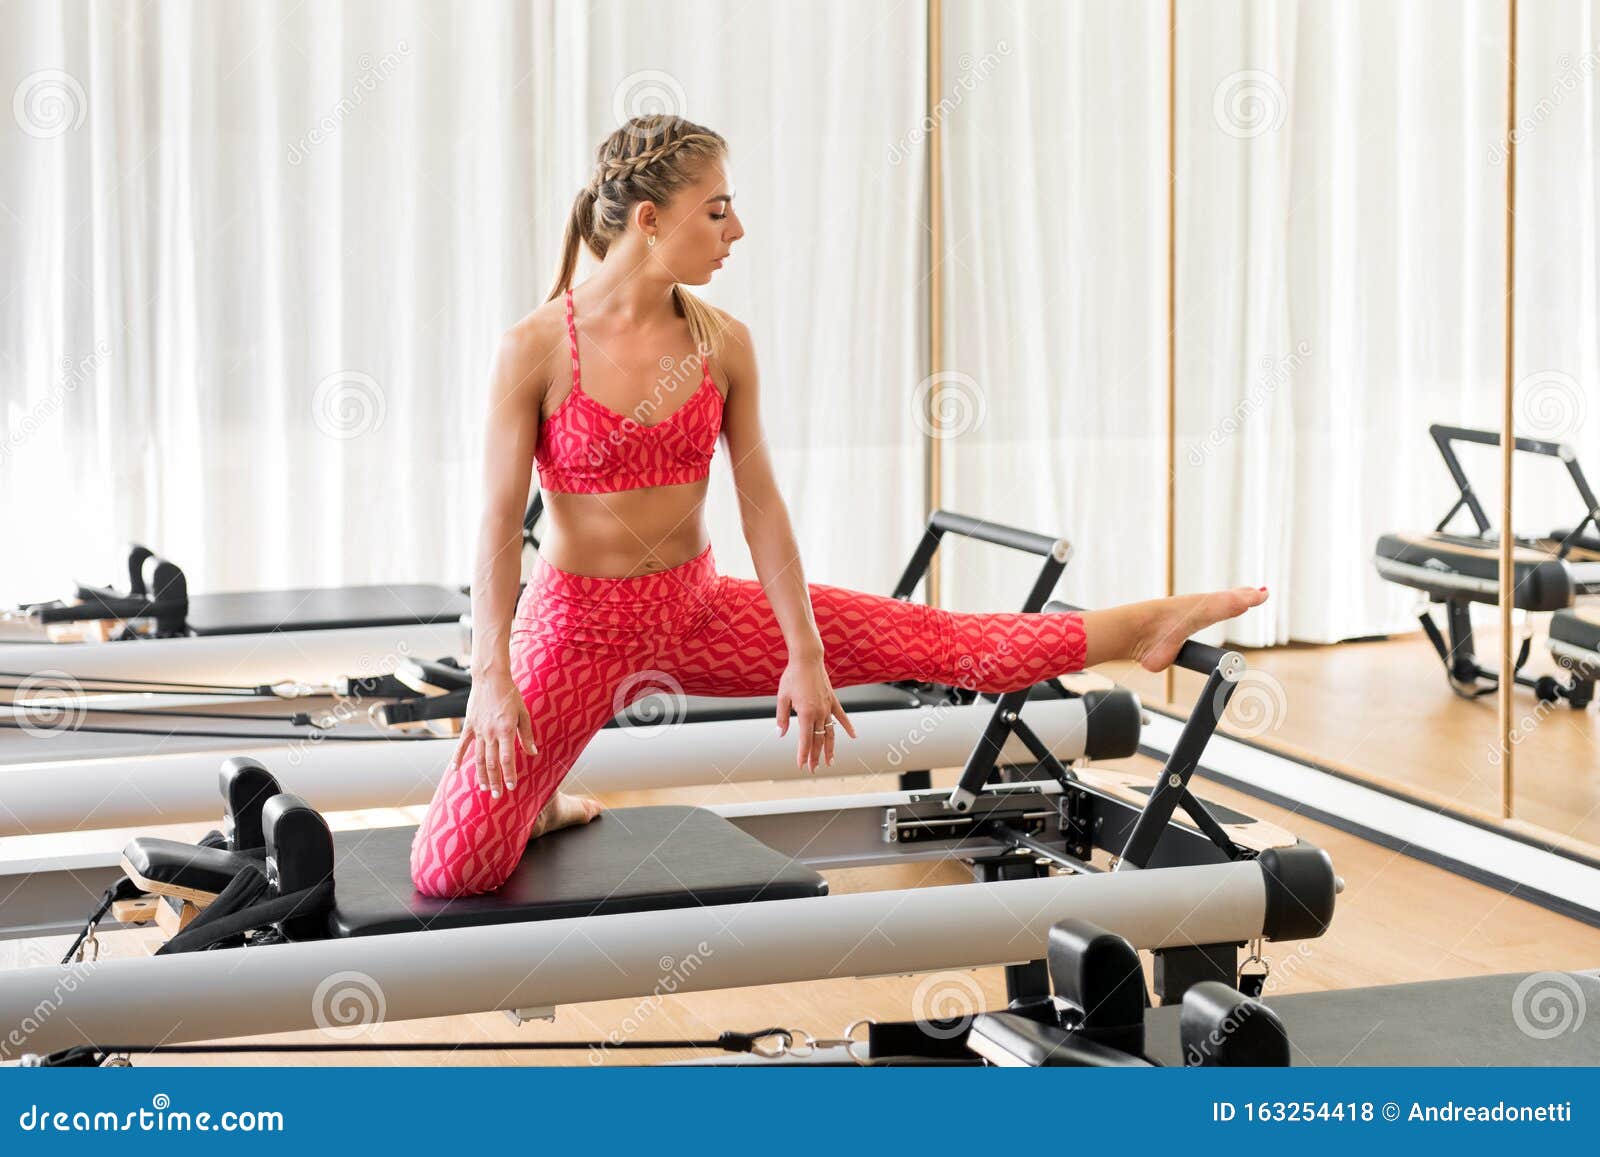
(739, 650)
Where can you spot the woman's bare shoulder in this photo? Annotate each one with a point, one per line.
(738, 347)
(528, 348)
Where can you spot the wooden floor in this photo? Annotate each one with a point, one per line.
(1397, 920)
(1383, 709)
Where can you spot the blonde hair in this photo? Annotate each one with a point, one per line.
(650, 158)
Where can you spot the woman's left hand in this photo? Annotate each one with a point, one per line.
(806, 691)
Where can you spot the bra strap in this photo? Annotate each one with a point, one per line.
(572, 340)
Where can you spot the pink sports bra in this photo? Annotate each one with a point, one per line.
(588, 448)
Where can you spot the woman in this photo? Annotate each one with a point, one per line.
(625, 597)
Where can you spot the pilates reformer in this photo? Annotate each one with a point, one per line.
(1548, 574)
(283, 904)
(196, 646)
(190, 644)
(157, 605)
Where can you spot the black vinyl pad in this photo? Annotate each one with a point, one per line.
(1577, 627)
(324, 609)
(1458, 566)
(1522, 1019)
(627, 860)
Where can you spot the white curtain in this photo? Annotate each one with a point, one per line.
(1340, 284)
(257, 256)
(1054, 261)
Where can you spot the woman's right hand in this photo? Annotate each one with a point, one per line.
(497, 723)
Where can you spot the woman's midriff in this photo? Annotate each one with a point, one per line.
(625, 532)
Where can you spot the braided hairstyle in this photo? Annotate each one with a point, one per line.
(649, 158)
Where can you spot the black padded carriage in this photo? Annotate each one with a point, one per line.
(1467, 1021)
(628, 860)
(1454, 566)
(1577, 628)
(324, 609)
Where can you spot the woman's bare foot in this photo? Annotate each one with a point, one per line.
(563, 811)
(1173, 620)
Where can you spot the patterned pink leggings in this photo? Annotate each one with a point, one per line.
(583, 648)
